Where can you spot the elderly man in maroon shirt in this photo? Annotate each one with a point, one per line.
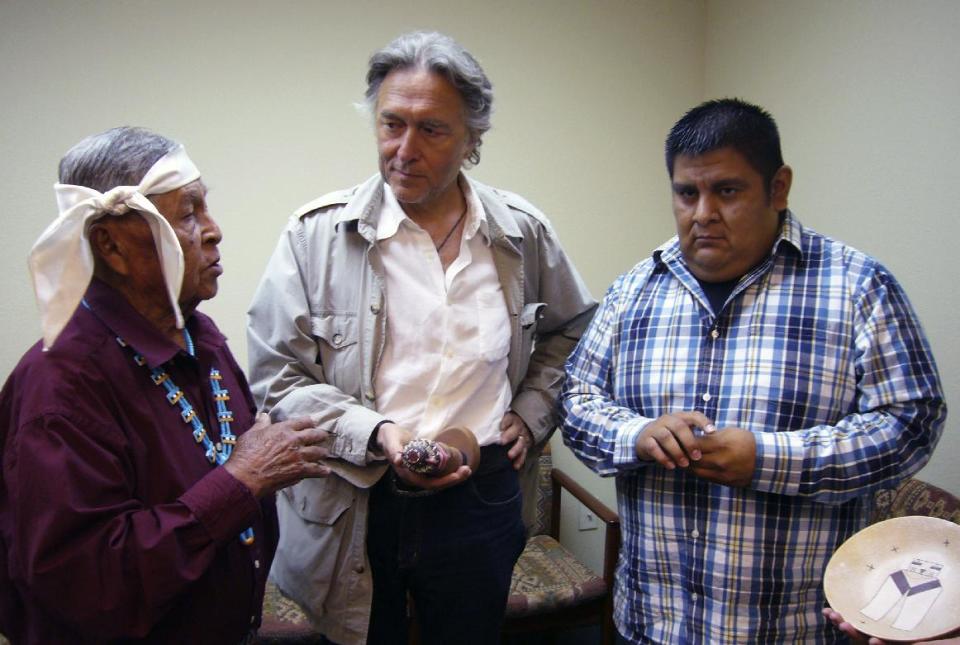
(136, 499)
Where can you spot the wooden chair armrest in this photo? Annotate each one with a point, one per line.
(598, 508)
(611, 543)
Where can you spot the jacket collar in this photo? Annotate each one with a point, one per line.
(501, 222)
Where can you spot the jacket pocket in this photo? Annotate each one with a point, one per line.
(337, 330)
(322, 500)
(337, 338)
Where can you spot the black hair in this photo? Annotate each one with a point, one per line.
(721, 123)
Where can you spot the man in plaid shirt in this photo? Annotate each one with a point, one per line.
(750, 385)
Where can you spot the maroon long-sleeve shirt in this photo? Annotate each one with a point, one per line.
(113, 524)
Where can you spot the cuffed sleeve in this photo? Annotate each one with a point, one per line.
(221, 504)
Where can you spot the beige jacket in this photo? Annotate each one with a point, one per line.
(316, 333)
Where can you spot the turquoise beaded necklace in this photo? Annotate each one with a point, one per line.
(217, 453)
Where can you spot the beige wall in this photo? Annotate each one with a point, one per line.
(262, 93)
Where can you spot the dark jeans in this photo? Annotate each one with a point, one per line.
(453, 551)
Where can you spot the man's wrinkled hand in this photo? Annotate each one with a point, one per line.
(270, 456)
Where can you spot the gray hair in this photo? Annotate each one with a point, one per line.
(442, 55)
(117, 157)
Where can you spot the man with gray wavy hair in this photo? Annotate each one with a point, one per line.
(417, 301)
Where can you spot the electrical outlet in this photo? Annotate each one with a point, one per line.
(588, 521)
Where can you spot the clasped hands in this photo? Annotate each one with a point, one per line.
(391, 439)
(725, 456)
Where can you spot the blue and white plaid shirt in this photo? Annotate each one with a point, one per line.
(817, 352)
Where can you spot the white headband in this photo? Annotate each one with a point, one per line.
(61, 262)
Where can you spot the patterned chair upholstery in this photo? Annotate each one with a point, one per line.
(551, 589)
(283, 621)
(916, 497)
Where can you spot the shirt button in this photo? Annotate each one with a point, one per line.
(253, 619)
(375, 308)
(714, 334)
(337, 339)
(706, 397)
(256, 564)
(694, 597)
(369, 395)
(358, 568)
(694, 533)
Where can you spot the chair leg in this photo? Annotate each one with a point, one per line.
(608, 631)
(413, 625)
(413, 632)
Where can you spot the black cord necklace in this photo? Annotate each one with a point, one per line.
(456, 224)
